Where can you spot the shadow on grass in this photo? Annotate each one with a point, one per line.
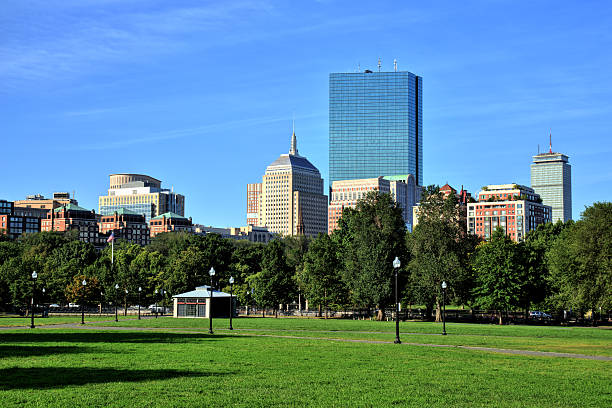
(54, 377)
(7, 351)
(106, 337)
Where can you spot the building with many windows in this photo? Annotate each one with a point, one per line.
(15, 225)
(551, 178)
(253, 199)
(36, 205)
(140, 194)
(346, 193)
(375, 125)
(72, 217)
(126, 225)
(248, 233)
(170, 222)
(516, 209)
(292, 200)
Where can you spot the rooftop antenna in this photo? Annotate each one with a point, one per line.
(358, 67)
(379, 64)
(550, 142)
(395, 65)
(538, 148)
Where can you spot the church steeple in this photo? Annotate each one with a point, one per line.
(294, 149)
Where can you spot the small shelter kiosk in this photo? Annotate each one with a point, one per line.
(197, 303)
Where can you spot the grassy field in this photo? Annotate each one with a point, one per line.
(157, 367)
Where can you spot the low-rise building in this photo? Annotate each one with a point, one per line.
(14, 224)
(196, 303)
(169, 222)
(38, 201)
(71, 217)
(516, 209)
(250, 232)
(127, 225)
(346, 193)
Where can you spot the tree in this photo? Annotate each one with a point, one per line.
(320, 279)
(580, 261)
(499, 273)
(440, 248)
(536, 245)
(246, 261)
(275, 283)
(370, 236)
(83, 294)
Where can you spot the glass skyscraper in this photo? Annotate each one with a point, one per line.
(375, 125)
(551, 178)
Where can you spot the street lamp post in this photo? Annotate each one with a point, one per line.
(125, 309)
(231, 282)
(101, 302)
(396, 265)
(34, 276)
(161, 292)
(444, 308)
(116, 300)
(83, 302)
(156, 303)
(210, 318)
(139, 290)
(42, 302)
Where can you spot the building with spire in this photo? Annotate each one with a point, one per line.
(551, 178)
(290, 199)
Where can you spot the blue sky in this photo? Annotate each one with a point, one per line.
(201, 94)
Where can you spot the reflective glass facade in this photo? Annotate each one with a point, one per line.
(551, 178)
(375, 125)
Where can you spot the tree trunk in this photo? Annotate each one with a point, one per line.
(320, 313)
(428, 309)
(381, 314)
(438, 311)
(501, 322)
(276, 313)
(263, 312)
(125, 306)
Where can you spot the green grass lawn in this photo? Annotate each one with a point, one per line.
(58, 367)
(581, 340)
(39, 321)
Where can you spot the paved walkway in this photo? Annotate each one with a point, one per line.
(248, 332)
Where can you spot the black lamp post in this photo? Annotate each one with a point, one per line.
(139, 290)
(396, 265)
(231, 282)
(83, 302)
(161, 292)
(125, 309)
(116, 300)
(42, 302)
(34, 276)
(156, 303)
(210, 318)
(443, 308)
(101, 302)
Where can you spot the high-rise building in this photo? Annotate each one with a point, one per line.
(516, 209)
(292, 200)
(375, 125)
(551, 178)
(140, 194)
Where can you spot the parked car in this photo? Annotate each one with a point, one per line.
(73, 305)
(54, 305)
(536, 314)
(156, 308)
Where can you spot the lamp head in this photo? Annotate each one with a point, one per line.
(43, 290)
(443, 284)
(396, 263)
(139, 289)
(116, 286)
(231, 280)
(34, 275)
(212, 271)
(84, 282)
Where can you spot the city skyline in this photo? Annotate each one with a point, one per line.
(202, 96)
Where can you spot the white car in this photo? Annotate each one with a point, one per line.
(539, 315)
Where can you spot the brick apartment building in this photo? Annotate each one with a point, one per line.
(169, 222)
(72, 217)
(127, 225)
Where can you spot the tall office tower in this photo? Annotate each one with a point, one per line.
(140, 194)
(292, 200)
(375, 125)
(551, 178)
